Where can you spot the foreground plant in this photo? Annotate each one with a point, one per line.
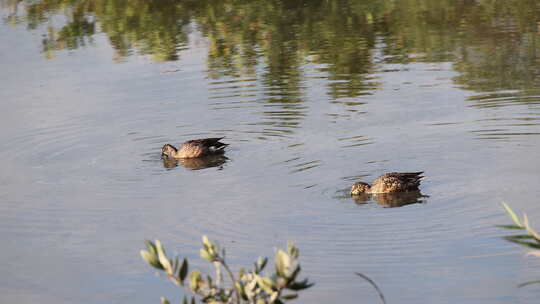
(247, 286)
(531, 239)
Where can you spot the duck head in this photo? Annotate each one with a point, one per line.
(168, 151)
(359, 188)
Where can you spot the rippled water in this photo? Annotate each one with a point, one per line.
(311, 97)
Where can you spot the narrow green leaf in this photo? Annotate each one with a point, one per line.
(263, 264)
(240, 288)
(205, 255)
(265, 283)
(529, 283)
(151, 247)
(164, 301)
(529, 229)
(290, 296)
(524, 243)
(283, 261)
(151, 259)
(183, 271)
(165, 262)
(206, 242)
(260, 264)
(194, 279)
(241, 273)
(370, 281)
(512, 214)
(175, 265)
(300, 285)
(147, 257)
(519, 237)
(274, 296)
(295, 273)
(206, 298)
(293, 251)
(510, 227)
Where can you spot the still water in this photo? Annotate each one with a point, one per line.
(311, 96)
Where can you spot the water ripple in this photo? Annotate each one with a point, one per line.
(504, 99)
(355, 141)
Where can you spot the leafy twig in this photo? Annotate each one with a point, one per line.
(248, 287)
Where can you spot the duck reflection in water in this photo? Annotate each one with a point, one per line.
(391, 200)
(196, 163)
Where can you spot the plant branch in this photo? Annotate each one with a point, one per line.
(231, 276)
(370, 281)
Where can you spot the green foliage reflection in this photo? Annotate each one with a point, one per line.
(493, 43)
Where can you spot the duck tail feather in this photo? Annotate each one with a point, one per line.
(214, 143)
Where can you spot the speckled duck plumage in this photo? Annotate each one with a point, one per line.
(390, 183)
(194, 148)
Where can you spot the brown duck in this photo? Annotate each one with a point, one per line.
(390, 183)
(195, 148)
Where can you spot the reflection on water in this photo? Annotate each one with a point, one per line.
(263, 52)
(306, 92)
(340, 36)
(507, 127)
(196, 163)
(392, 200)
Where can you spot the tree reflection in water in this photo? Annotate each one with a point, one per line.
(493, 45)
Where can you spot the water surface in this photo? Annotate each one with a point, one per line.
(311, 96)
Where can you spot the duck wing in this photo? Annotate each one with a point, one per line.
(405, 175)
(397, 182)
(213, 142)
(206, 144)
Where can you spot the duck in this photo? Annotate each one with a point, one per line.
(194, 148)
(390, 183)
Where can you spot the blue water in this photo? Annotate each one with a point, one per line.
(82, 184)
